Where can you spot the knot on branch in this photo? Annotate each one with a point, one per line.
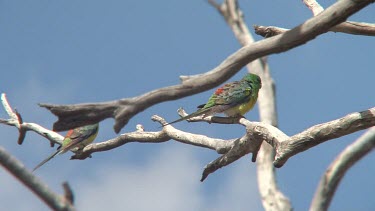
(268, 31)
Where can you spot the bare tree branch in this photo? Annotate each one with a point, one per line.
(168, 133)
(314, 6)
(22, 131)
(71, 116)
(16, 120)
(18, 170)
(241, 147)
(323, 132)
(336, 171)
(285, 146)
(256, 132)
(355, 28)
(349, 27)
(272, 197)
(12, 115)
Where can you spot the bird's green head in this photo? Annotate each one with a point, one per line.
(253, 79)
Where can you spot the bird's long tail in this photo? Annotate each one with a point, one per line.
(46, 160)
(197, 113)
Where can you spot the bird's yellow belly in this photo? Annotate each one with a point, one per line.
(241, 109)
(90, 139)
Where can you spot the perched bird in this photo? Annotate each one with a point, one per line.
(233, 99)
(78, 137)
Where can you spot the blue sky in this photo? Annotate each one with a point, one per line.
(91, 51)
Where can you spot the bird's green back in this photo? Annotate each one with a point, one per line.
(80, 137)
(236, 92)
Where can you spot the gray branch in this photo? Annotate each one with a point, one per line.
(321, 133)
(272, 197)
(16, 121)
(337, 170)
(71, 116)
(349, 27)
(256, 133)
(18, 170)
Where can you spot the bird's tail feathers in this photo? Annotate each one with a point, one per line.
(197, 113)
(46, 160)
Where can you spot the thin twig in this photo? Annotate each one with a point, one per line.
(68, 193)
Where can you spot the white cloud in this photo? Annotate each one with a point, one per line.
(170, 181)
(167, 182)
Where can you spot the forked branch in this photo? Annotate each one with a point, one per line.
(348, 27)
(337, 170)
(71, 116)
(256, 133)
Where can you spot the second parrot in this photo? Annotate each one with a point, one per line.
(78, 137)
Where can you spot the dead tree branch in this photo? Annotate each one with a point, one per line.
(19, 171)
(349, 27)
(272, 197)
(71, 116)
(284, 145)
(256, 132)
(336, 171)
(16, 120)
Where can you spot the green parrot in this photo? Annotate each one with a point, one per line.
(78, 137)
(233, 99)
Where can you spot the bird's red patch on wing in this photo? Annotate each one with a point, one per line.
(219, 91)
(69, 133)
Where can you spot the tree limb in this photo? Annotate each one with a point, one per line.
(272, 197)
(338, 168)
(256, 132)
(314, 6)
(349, 27)
(16, 120)
(18, 170)
(284, 145)
(71, 116)
(323, 132)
